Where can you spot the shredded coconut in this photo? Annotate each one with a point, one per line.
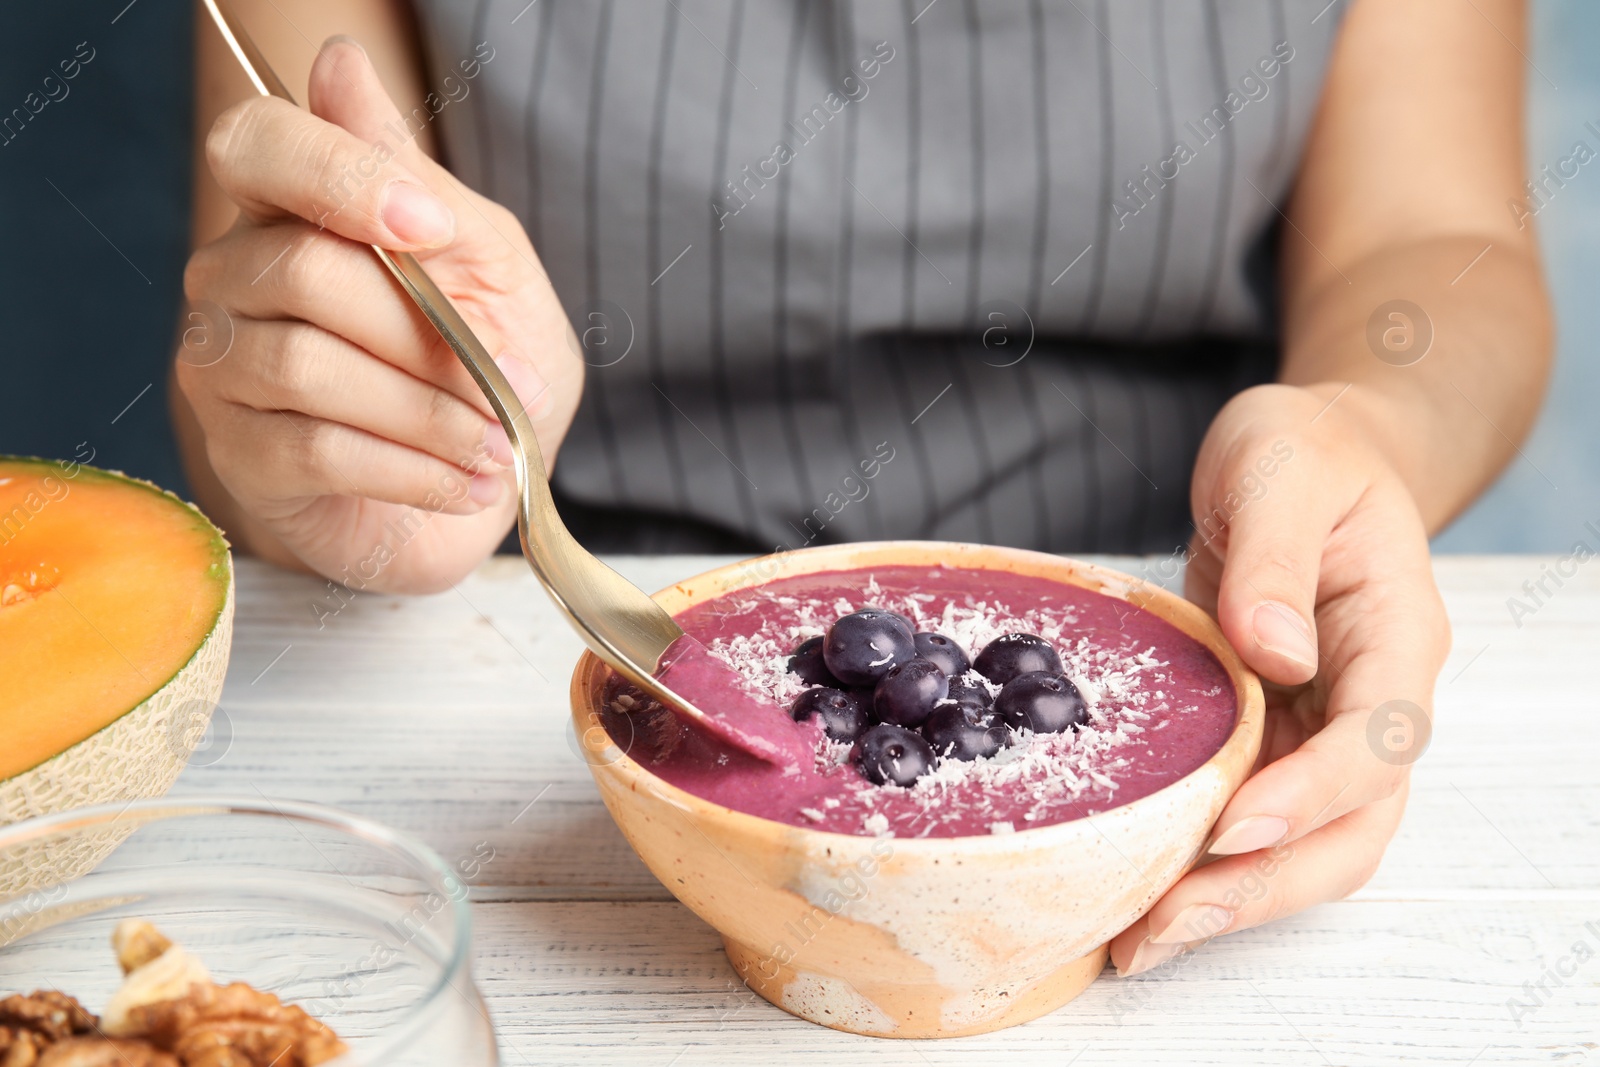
(1047, 768)
(1123, 689)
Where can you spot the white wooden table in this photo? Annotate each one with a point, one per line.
(447, 717)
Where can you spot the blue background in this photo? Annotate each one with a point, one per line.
(1523, 512)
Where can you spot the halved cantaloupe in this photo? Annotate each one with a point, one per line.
(116, 614)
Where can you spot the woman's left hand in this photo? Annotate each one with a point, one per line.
(1311, 554)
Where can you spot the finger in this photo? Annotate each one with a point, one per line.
(1202, 573)
(1267, 592)
(285, 365)
(345, 90)
(1240, 892)
(275, 456)
(275, 160)
(292, 271)
(1387, 637)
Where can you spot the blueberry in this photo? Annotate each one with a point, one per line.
(862, 693)
(906, 695)
(843, 714)
(1042, 702)
(975, 692)
(942, 650)
(1012, 654)
(964, 731)
(892, 755)
(807, 663)
(905, 620)
(862, 646)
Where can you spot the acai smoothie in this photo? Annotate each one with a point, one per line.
(921, 702)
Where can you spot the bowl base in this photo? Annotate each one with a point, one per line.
(902, 1011)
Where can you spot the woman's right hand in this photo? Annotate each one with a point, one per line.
(346, 431)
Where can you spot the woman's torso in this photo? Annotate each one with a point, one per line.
(797, 237)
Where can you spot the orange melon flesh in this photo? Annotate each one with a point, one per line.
(108, 587)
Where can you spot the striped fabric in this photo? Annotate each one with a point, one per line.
(1006, 257)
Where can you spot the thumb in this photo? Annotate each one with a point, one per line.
(1267, 595)
(391, 183)
(345, 90)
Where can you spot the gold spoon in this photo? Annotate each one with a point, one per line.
(615, 618)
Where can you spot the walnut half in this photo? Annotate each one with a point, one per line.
(104, 1052)
(167, 1013)
(30, 1026)
(236, 1026)
(137, 943)
(45, 1013)
(153, 968)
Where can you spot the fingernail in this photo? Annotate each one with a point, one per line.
(416, 216)
(1279, 628)
(1194, 923)
(1247, 835)
(1149, 955)
(485, 489)
(530, 387)
(498, 445)
(345, 38)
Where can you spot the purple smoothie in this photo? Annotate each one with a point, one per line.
(1160, 705)
(735, 710)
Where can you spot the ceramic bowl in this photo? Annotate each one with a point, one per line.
(881, 936)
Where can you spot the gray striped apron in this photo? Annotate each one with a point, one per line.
(857, 268)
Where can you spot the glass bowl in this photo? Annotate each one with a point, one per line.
(364, 928)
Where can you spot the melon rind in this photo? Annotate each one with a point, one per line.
(137, 756)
